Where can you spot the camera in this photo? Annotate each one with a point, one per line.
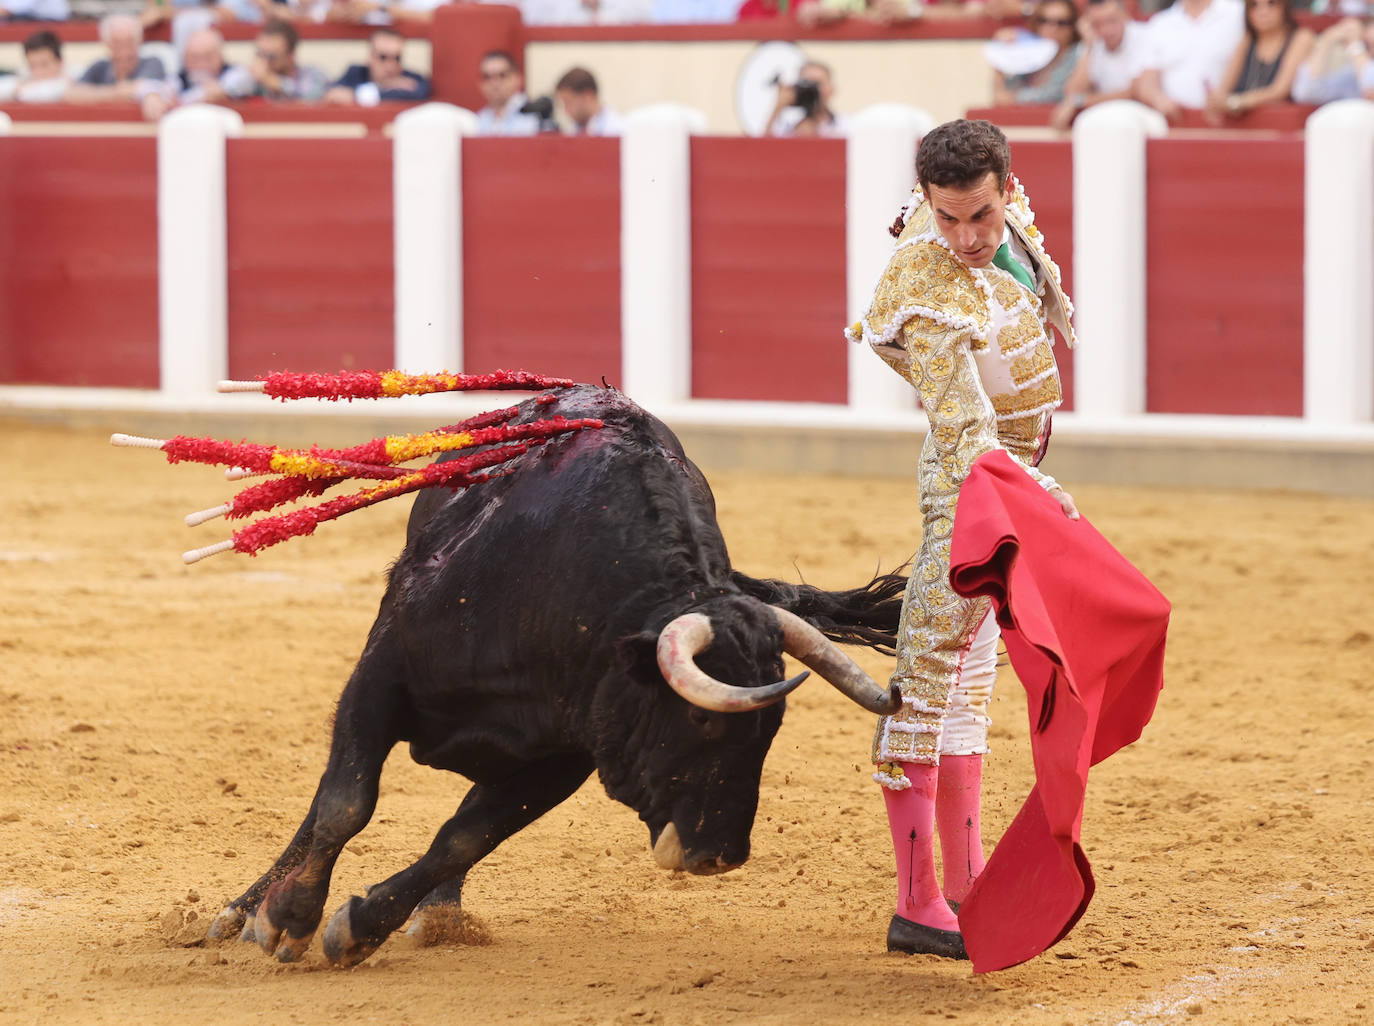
(542, 108)
(806, 94)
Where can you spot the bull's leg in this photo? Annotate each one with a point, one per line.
(237, 918)
(487, 816)
(286, 904)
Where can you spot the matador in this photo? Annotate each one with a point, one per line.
(963, 311)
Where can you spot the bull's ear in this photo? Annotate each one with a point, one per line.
(638, 653)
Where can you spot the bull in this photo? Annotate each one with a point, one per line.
(579, 614)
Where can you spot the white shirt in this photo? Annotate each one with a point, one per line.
(604, 122)
(509, 121)
(1111, 71)
(1191, 54)
(578, 12)
(791, 117)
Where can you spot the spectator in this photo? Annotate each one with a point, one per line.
(503, 87)
(381, 78)
(43, 80)
(824, 12)
(124, 74)
(693, 12)
(1055, 21)
(34, 10)
(951, 9)
(155, 12)
(205, 77)
(1116, 51)
(1341, 66)
(804, 109)
(581, 102)
(1189, 45)
(1265, 64)
(371, 12)
(276, 73)
(586, 12)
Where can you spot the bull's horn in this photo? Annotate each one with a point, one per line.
(812, 648)
(678, 645)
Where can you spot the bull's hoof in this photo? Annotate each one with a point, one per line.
(340, 946)
(276, 942)
(227, 925)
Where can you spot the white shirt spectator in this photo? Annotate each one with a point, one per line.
(604, 122)
(1112, 71)
(694, 12)
(586, 12)
(1190, 53)
(38, 10)
(790, 117)
(509, 120)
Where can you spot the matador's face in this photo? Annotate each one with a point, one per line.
(972, 219)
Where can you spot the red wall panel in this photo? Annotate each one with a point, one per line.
(541, 256)
(78, 262)
(1224, 276)
(310, 255)
(1045, 170)
(768, 269)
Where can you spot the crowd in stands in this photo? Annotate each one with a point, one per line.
(1221, 58)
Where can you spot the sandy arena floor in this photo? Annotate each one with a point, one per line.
(162, 729)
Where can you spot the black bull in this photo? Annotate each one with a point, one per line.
(579, 614)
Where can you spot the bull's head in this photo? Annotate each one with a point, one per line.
(696, 785)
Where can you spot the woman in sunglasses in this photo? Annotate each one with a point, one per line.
(1055, 21)
(1264, 65)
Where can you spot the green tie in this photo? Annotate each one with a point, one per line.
(1003, 259)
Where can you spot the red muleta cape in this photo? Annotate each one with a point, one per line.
(1085, 633)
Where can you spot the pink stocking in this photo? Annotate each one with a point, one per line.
(911, 817)
(958, 809)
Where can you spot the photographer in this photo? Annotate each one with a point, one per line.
(804, 109)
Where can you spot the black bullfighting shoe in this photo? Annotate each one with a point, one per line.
(914, 939)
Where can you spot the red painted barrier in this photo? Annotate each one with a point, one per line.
(1225, 276)
(1274, 117)
(541, 256)
(78, 262)
(768, 269)
(374, 119)
(310, 255)
(1045, 170)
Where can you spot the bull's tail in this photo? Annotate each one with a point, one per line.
(860, 616)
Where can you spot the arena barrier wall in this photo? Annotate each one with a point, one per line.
(706, 276)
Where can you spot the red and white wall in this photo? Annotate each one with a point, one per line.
(1214, 275)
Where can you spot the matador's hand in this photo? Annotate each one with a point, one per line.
(1065, 502)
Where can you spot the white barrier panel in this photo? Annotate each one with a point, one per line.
(1109, 205)
(192, 253)
(656, 252)
(880, 172)
(1338, 264)
(427, 191)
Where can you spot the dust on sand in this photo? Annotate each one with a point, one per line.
(162, 729)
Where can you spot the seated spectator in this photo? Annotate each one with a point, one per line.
(503, 87)
(693, 12)
(118, 76)
(804, 109)
(1341, 66)
(43, 80)
(1265, 64)
(381, 78)
(1056, 22)
(824, 12)
(155, 12)
(950, 9)
(34, 10)
(581, 102)
(369, 12)
(1189, 45)
(205, 77)
(586, 12)
(276, 74)
(1116, 45)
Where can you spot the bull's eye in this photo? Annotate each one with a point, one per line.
(699, 717)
